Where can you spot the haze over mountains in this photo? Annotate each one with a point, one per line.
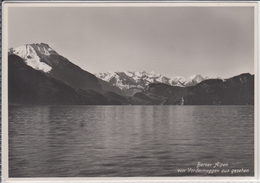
(38, 75)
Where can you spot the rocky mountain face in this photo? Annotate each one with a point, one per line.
(43, 58)
(28, 86)
(133, 82)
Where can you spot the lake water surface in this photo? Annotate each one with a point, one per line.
(119, 141)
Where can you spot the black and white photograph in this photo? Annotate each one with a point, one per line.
(129, 90)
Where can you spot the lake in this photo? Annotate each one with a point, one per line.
(126, 141)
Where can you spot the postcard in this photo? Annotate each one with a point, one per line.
(130, 91)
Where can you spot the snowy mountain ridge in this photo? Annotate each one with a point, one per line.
(138, 80)
(28, 54)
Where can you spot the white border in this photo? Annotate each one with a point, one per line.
(6, 5)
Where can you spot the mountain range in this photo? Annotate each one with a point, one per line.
(38, 75)
(131, 82)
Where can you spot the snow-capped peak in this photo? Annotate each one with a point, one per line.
(30, 57)
(140, 79)
(44, 48)
(106, 76)
(194, 79)
(197, 78)
(177, 81)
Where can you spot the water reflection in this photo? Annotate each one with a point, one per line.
(89, 141)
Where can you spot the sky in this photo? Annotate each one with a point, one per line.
(172, 41)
